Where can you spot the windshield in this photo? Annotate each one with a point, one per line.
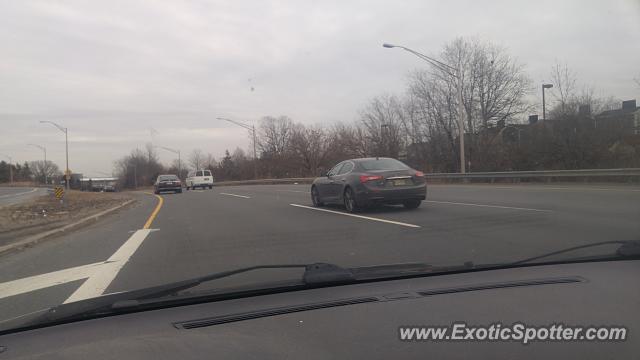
(382, 164)
(150, 142)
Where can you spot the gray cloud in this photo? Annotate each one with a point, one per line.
(110, 70)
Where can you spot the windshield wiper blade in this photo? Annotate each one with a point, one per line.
(315, 274)
(628, 249)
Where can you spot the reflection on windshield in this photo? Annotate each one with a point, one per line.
(155, 143)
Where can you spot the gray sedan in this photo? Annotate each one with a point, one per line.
(358, 183)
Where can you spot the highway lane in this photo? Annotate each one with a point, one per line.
(14, 195)
(203, 231)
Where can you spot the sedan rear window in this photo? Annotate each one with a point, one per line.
(167, 177)
(383, 164)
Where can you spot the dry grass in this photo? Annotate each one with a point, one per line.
(47, 212)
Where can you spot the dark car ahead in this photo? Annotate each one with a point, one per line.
(167, 183)
(359, 183)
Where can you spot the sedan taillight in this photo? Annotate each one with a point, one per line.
(419, 174)
(366, 178)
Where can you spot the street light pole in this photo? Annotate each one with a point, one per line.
(251, 128)
(44, 167)
(383, 139)
(255, 158)
(544, 107)
(455, 73)
(461, 121)
(179, 161)
(66, 145)
(10, 168)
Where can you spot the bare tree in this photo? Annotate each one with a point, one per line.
(177, 169)
(494, 87)
(564, 89)
(383, 121)
(209, 162)
(309, 147)
(196, 159)
(273, 134)
(570, 97)
(42, 170)
(139, 168)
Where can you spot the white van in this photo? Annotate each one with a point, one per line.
(199, 178)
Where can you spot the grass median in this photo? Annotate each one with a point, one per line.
(46, 213)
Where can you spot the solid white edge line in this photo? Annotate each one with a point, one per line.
(240, 196)
(18, 194)
(357, 216)
(100, 280)
(485, 205)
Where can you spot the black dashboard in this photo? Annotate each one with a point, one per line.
(363, 320)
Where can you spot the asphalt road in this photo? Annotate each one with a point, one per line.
(198, 232)
(13, 195)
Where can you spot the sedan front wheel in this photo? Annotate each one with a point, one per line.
(315, 197)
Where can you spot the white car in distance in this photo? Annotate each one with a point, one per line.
(199, 178)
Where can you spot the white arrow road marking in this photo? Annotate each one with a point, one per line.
(37, 282)
(98, 283)
(99, 275)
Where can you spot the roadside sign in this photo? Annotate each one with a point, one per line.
(59, 192)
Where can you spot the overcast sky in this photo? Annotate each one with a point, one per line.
(111, 70)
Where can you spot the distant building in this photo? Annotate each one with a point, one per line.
(627, 118)
(99, 184)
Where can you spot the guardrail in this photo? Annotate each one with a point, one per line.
(545, 174)
(266, 181)
(538, 174)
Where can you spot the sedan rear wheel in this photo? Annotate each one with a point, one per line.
(411, 204)
(350, 201)
(315, 197)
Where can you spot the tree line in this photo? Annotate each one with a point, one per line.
(36, 171)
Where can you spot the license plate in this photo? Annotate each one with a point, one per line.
(401, 182)
(206, 179)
